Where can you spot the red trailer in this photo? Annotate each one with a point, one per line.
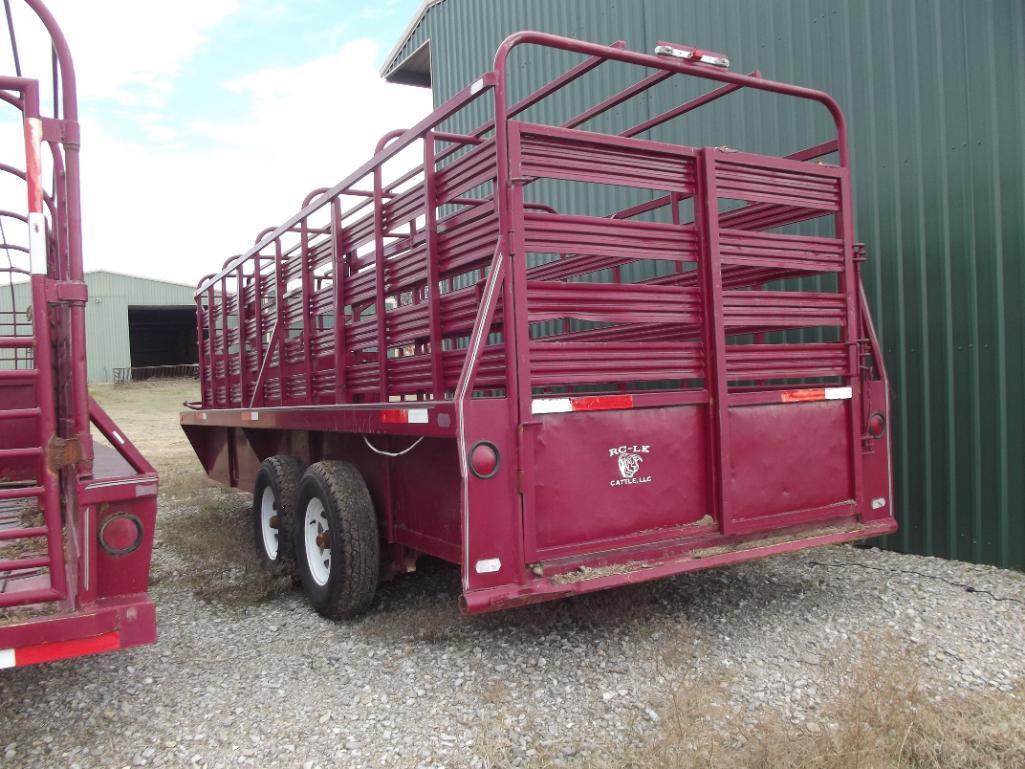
(76, 517)
(437, 361)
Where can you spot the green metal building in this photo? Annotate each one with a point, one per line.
(934, 91)
(130, 322)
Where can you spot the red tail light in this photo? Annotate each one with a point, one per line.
(484, 459)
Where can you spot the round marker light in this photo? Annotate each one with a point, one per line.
(484, 459)
(876, 425)
(121, 534)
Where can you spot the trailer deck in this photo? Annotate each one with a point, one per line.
(517, 401)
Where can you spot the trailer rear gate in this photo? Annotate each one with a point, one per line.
(76, 520)
(442, 329)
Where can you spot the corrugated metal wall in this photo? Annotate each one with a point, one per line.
(935, 94)
(106, 314)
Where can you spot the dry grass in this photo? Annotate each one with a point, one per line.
(878, 715)
(205, 526)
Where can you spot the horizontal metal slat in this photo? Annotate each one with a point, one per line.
(612, 302)
(563, 234)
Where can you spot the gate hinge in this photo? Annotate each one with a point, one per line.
(67, 292)
(61, 130)
(63, 452)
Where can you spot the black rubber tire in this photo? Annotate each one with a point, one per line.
(355, 548)
(282, 474)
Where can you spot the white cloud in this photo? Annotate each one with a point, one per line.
(129, 51)
(181, 198)
(176, 212)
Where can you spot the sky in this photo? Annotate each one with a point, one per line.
(205, 121)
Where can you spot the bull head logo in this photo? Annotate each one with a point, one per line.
(629, 464)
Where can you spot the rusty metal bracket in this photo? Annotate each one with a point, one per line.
(63, 452)
(67, 292)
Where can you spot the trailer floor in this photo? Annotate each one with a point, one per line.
(812, 655)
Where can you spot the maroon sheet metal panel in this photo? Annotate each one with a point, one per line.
(607, 476)
(789, 457)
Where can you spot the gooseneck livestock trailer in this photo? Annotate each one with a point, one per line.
(437, 360)
(76, 516)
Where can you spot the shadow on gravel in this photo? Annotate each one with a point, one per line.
(214, 553)
(423, 606)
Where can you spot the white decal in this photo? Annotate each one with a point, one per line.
(629, 460)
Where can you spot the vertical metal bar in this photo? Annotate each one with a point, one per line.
(306, 275)
(515, 325)
(257, 397)
(515, 329)
(201, 346)
(243, 378)
(211, 336)
(225, 342)
(379, 298)
(715, 341)
(48, 431)
(850, 287)
(282, 284)
(433, 256)
(339, 266)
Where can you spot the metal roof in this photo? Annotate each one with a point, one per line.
(391, 69)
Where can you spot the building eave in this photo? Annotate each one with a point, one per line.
(390, 63)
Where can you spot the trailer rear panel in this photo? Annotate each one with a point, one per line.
(517, 401)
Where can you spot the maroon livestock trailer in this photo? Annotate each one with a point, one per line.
(437, 361)
(76, 515)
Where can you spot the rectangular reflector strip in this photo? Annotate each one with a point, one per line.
(6, 658)
(60, 650)
(603, 403)
(405, 416)
(588, 403)
(816, 394)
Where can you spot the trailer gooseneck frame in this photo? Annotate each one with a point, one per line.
(437, 361)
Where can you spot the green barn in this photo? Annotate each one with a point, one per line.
(933, 94)
(131, 323)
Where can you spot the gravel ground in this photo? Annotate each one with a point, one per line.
(270, 684)
(246, 675)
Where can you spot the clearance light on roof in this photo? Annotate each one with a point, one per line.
(693, 54)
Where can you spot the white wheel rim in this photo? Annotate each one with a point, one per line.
(268, 512)
(317, 558)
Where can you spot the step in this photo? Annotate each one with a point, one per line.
(23, 492)
(29, 413)
(21, 564)
(14, 342)
(29, 451)
(18, 374)
(6, 535)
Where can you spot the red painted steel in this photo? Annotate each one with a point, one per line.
(635, 427)
(73, 597)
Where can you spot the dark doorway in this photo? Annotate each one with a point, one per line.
(162, 336)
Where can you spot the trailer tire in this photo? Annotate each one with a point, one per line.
(275, 493)
(336, 540)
